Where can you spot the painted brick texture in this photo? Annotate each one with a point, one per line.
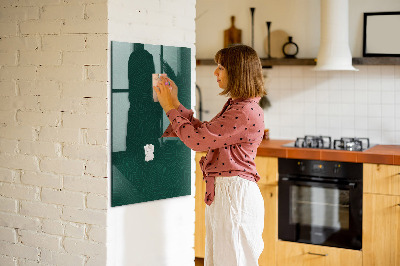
(53, 132)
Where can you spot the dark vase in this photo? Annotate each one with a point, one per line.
(290, 49)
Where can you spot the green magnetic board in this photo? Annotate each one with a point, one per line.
(146, 167)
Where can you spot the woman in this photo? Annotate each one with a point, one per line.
(235, 207)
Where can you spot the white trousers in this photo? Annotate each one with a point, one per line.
(234, 223)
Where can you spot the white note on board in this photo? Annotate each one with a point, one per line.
(148, 152)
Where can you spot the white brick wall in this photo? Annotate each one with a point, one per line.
(8, 234)
(61, 258)
(53, 122)
(53, 227)
(53, 126)
(75, 230)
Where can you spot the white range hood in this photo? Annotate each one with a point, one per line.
(334, 51)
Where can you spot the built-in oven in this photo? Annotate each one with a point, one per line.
(320, 202)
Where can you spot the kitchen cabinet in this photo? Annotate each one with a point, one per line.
(298, 254)
(200, 207)
(270, 233)
(381, 179)
(381, 215)
(381, 230)
(267, 168)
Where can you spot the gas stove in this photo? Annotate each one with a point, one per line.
(325, 142)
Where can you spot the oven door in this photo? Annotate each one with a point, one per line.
(321, 212)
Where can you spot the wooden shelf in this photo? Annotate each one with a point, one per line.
(267, 63)
(288, 62)
(376, 61)
(312, 61)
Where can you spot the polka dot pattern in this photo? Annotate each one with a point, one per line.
(231, 139)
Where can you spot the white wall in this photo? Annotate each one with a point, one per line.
(299, 18)
(337, 104)
(53, 109)
(159, 232)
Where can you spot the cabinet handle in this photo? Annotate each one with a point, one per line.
(318, 254)
(398, 204)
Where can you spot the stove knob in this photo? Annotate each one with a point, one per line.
(336, 169)
(301, 166)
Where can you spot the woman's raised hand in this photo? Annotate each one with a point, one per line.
(164, 94)
(174, 92)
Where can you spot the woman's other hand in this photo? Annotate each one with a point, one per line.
(164, 94)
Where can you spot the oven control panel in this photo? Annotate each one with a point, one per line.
(331, 169)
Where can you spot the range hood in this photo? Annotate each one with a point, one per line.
(334, 51)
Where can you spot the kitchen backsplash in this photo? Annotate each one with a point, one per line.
(332, 103)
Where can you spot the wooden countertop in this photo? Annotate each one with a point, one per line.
(379, 154)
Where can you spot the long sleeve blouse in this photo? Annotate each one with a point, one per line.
(231, 139)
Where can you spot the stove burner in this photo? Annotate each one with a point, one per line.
(308, 141)
(351, 144)
(324, 142)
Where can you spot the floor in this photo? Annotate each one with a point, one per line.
(199, 262)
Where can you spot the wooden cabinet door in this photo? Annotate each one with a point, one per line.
(270, 233)
(200, 207)
(298, 254)
(381, 230)
(267, 168)
(381, 179)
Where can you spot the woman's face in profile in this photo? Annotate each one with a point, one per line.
(222, 76)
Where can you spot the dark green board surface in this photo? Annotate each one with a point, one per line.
(136, 121)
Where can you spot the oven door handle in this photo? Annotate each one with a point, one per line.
(329, 184)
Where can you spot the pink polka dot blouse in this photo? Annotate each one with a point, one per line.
(231, 139)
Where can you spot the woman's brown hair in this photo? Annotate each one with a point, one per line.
(245, 78)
